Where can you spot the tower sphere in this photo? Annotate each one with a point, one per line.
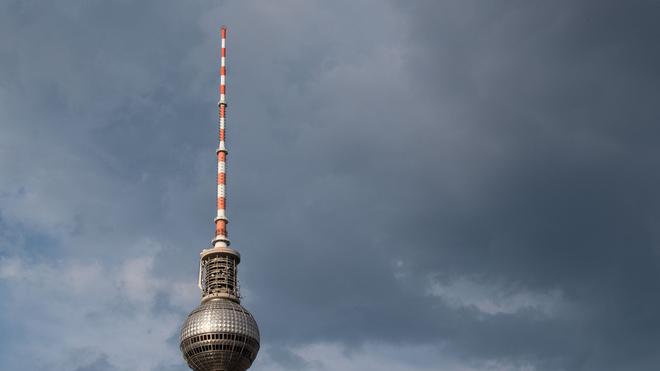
(219, 335)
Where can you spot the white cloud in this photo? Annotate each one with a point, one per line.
(493, 298)
(328, 356)
(10, 268)
(69, 308)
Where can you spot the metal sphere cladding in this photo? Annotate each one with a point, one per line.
(219, 335)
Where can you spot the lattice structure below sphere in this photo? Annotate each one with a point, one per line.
(219, 335)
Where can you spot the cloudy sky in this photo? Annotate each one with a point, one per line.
(414, 185)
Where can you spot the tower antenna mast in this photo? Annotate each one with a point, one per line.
(221, 238)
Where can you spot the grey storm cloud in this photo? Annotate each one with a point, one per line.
(419, 185)
(101, 364)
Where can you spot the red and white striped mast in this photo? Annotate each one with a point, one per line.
(221, 239)
(218, 265)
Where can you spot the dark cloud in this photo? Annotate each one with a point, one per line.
(100, 364)
(475, 180)
(290, 361)
(517, 153)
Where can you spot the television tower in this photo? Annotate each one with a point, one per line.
(220, 335)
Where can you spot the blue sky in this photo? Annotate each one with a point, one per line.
(427, 185)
